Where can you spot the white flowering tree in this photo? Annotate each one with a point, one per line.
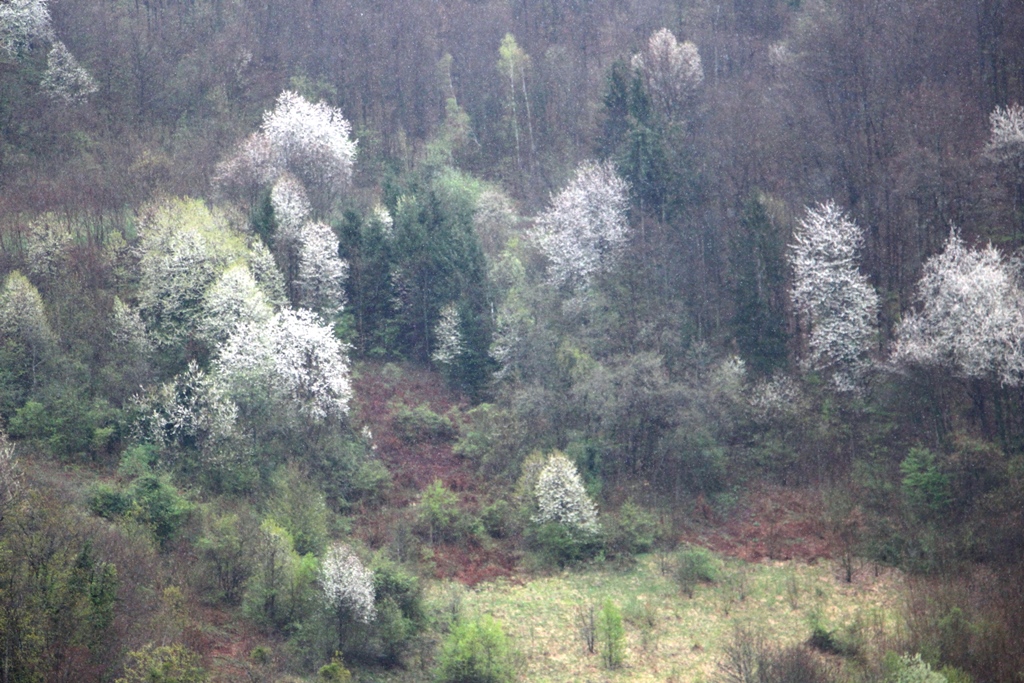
(448, 339)
(188, 415)
(347, 585)
(310, 141)
(561, 498)
(1006, 140)
(65, 80)
(585, 230)
(233, 300)
(836, 300)
(291, 206)
(970, 315)
(10, 474)
(26, 338)
(292, 365)
(184, 249)
(320, 280)
(672, 71)
(23, 22)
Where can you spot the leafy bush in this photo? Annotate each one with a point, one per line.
(415, 425)
(164, 664)
(160, 506)
(695, 565)
(611, 635)
(475, 652)
(438, 512)
(631, 532)
(557, 545)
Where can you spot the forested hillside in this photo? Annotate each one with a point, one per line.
(308, 307)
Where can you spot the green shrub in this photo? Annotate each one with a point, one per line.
(475, 652)
(558, 545)
(415, 425)
(611, 635)
(696, 565)
(631, 532)
(440, 518)
(160, 506)
(109, 501)
(164, 664)
(299, 506)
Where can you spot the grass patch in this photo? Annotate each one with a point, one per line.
(669, 636)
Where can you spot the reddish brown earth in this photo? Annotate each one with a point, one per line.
(769, 522)
(379, 393)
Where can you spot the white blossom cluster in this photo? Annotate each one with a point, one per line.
(321, 272)
(311, 140)
(10, 473)
(233, 300)
(970, 317)
(561, 498)
(585, 229)
(837, 300)
(672, 71)
(21, 23)
(191, 410)
(47, 241)
(65, 80)
(293, 357)
(1006, 143)
(347, 584)
(448, 345)
(291, 206)
(772, 397)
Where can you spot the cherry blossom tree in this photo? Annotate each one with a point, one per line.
(10, 474)
(21, 23)
(235, 299)
(65, 80)
(348, 585)
(970, 315)
(561, 498)
(25, 333)
(189, 413)
(320, 281)
(1006, 142)
(310, 141)
(291, 364)
(184, 249)
(585, 229)
(291, 206)
(672, 71)
(838, 302)
(448, 344)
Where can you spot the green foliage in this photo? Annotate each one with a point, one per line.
(281, 591)
(400, 611)
(335, 672)
(611, 635)
(925, 487)
(298, 506)
(475, 651)
(160, 506)
(60, 595)
(226, 554)
(151, 499)
(630, 532)
(696, 565)
(907, 669)
(420, 423)
(164, 664)
(558, 545)
(440, 518)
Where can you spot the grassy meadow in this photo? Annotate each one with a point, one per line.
(670, 636)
